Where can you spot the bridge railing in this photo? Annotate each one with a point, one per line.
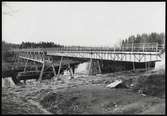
(142, 47)
(127, 53)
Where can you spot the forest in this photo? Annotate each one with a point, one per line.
(39, 45)
(145, 38)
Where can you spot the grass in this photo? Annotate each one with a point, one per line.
(153, 84)
(12, 104)
(98, 100)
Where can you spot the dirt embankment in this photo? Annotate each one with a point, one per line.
(13, 104)
(153, 84)
(98, 100)
(89, 95)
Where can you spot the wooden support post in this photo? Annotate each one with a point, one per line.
(73, 69)
(148, 67)
(25, 66)
(41, 73)
(36, 66)
(24, 81)
(90, 67)
(71, 72)
(133, 66)
(59, 67)
(99, 66)
(54, 72)
(43, 66)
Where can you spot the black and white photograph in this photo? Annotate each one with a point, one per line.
(83, 58)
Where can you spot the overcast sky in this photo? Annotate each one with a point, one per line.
(81, 23)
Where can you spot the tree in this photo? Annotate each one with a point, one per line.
(144, 38)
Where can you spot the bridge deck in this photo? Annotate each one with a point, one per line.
(136, 55)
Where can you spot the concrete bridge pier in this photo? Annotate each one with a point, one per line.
(94, 67)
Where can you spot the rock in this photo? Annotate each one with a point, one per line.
(8, 82)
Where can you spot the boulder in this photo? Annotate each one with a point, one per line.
(7, 82)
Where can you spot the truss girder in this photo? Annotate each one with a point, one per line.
(104, 55)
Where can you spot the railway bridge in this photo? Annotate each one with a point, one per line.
(101, 58)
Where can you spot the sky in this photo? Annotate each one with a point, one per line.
(80, 23)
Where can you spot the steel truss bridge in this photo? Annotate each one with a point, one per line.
(134, 54)
(131, 53)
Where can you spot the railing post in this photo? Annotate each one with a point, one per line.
(145, 62)
(143, 47)
(132, 46)
(133, 57)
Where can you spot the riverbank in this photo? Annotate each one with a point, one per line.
(85, 95)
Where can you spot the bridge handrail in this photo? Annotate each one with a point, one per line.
(145, 47)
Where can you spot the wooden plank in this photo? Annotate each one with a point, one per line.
(31, 59)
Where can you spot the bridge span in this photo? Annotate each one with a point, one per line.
(37, 54)
(111, 58)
